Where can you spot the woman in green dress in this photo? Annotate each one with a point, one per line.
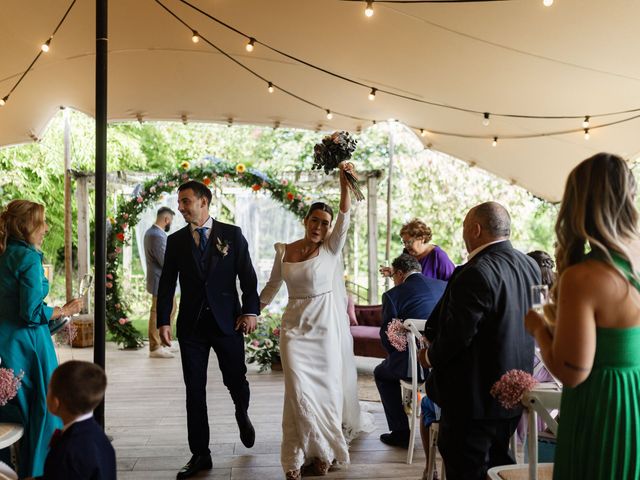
(590, 336)
(25, 341)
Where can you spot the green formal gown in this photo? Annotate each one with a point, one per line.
(599, 426)
(26, 346)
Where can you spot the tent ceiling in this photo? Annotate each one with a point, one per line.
(574, 58)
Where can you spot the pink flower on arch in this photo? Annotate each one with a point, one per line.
(118, 250)
(108, 285)
(139, 199)
(284, 182)
(123, 320)
(255, 343)
(125, 216)
(276, 332)
(109, 276)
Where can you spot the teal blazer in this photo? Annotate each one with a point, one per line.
(26, 346)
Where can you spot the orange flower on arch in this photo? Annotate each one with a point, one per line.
(255, 187)
(206, 181)
(120, 236)
(290, 196)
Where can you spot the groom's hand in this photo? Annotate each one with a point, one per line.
(247, 323)
(165, 335)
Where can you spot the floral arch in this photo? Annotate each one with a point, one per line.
(209, 172)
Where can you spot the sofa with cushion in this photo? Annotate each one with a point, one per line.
(365, 322)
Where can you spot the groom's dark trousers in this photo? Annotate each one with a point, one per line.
(209, 307)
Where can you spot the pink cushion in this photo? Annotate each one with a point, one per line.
(351, 311)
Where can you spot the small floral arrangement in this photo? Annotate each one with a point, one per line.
(333, 150)
(67, 334)
(262, 346)
(9, 385)
(511, 387)
(397, 335)
(223, 246)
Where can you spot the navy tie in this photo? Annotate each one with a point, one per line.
(202, 231)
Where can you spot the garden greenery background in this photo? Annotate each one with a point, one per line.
(427, 184)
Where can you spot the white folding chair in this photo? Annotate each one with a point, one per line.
(414, 327)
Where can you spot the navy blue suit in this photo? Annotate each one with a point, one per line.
(209, 307)
(416, 297)
(82, 452)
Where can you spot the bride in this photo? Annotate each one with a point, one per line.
(321, 413)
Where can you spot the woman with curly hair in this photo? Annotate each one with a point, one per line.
(434, 261)
(590, 337)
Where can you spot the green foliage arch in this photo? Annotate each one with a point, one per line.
(211, 172)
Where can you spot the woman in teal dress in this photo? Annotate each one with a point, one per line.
(590, 336)
(25, 341)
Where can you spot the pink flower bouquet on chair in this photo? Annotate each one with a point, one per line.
(511, 387)
(397, 335)
(9, 385)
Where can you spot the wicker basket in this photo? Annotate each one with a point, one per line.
(84, 337)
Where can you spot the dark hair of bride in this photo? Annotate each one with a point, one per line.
(319, 206)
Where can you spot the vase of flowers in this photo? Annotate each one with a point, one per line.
(262, 346)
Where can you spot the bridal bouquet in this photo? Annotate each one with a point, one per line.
(9, 385)
(333, 150)
(511, 387)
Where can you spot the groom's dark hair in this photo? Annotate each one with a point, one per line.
(199, 189)
(319, 206)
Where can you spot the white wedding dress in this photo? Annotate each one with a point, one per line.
(321, 412)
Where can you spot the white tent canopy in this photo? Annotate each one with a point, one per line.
(575, 58)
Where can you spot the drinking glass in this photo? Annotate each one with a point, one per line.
(539, 298)
(86, 282)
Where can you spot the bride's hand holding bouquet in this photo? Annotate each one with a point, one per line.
(331, 153)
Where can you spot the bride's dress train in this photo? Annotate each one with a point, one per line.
(321, 412)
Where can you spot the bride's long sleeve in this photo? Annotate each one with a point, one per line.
(275, 279)
(338, 236)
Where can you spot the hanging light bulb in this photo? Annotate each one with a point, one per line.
(423, 132)
(372, 94)
(586, 134)
(329, 115)
(585, 122)
(45, 46)
(250, 44)
(485, 120)
(195, 38)
(495, 142)
(547, 3)
(270, 88)
(369, 10)
(3, 101)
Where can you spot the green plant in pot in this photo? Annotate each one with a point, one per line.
(262, 346)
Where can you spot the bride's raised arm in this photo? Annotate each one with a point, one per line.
(275, 280)
(336, 240)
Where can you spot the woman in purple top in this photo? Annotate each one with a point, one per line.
(435, 263)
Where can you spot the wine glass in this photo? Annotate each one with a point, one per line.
(86, 282)
(539, 298)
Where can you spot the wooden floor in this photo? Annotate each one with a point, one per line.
(145, 415)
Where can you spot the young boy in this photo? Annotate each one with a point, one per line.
(81, 450)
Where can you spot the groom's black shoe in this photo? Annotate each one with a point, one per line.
(396, 439)
(247, 433)
(197, 463)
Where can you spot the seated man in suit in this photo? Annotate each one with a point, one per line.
(81, 449)
(414, 296)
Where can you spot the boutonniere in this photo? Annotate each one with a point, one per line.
(223, 246)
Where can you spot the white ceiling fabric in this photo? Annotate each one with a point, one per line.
(574, 58)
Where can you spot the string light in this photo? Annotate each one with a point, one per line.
(250, 44)
(547, 3)
(423, 132)
(329, 115)
(195, 38)
(585, 122)
(3, 101)
(372, 94)
(139, 118)
(369, 10)
(485, 120)
(270, 88)
(229, 121)
(495, 142)
(586, 134)
(276, 124)
(45, 46)
(183, 117)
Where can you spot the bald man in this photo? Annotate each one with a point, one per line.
(477, 334)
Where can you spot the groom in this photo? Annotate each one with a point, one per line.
(208, 256)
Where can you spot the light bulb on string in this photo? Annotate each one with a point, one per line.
(250, 44)
(586, 134)
(3, 101)
(45, 46)
(547, 3)
(485, 120)
(423, 132)
(369, 10)
(195, 38)
(329, 115)
(372, 94)
(495, 142)
(270, 88)
(585, 122)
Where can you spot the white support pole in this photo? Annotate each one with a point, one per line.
(372, 237)
(82, 203)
